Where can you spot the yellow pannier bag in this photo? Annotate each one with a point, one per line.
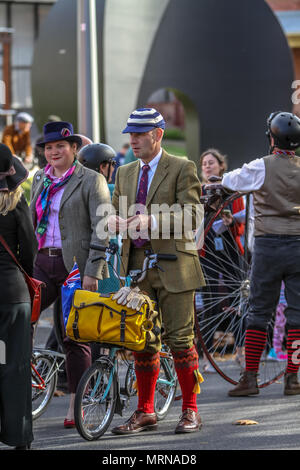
(96, 317)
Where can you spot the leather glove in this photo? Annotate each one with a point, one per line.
(121, 295)
(132, 298)
(135, 299)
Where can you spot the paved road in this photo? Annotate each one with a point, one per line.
(278, 425)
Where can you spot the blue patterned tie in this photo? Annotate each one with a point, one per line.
(141, 199)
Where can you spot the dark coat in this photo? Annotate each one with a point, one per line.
(17, 230)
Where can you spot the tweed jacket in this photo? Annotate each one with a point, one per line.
(175, 183)
(83, 196)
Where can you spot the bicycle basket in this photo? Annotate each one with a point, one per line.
(96, 317)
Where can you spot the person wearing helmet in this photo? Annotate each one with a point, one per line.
(17, 137)
(274, 181)
(101, 158)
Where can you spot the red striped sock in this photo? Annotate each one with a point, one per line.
(186, 362)
(147, 367)
(255, 342)
(293, 350)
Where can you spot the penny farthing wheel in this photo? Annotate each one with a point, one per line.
(221, 307)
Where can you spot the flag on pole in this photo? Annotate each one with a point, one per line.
(72, 283)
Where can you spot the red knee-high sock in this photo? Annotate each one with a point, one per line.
(147, 368)
(186, 362)
(255, 342)
(292, 345)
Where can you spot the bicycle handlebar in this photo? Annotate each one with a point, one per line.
(150, 261)
(166, 257)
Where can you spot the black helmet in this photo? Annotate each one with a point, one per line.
(92, 155)
(285, 129)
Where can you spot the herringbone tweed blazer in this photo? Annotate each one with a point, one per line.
(175, 182)
(83, 195)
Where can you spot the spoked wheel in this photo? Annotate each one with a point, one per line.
(43, 383)
(130, 380)
(221, 307)
(95, 400)
(166, 385)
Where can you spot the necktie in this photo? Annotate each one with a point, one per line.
(141, 199)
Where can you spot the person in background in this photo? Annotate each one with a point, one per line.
(222, 246)
(64, 202)
(84, 141)
(16, 228)
(100, 158)
(120, 159)
(18, 139)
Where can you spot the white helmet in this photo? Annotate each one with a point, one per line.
(24, 117)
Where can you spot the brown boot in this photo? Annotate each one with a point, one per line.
(291, 384)
(247, 385)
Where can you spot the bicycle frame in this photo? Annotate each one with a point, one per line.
(41, 383)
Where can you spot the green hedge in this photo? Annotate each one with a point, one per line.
(27, 187)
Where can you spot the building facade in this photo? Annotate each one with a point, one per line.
(20, 23)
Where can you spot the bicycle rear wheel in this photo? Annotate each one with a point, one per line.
(166, 386)
(95, 400)
(44, 381)
(221, 307)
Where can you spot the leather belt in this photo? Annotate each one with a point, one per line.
(51, 251)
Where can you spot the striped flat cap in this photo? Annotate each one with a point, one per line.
(144, 120)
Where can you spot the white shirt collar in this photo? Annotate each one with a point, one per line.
(154, 161)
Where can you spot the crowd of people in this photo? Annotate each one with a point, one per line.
(74, 178)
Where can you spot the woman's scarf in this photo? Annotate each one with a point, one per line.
(43, 202)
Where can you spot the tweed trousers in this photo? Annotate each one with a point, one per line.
(176, 310)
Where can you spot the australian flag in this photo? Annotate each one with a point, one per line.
(68, 288)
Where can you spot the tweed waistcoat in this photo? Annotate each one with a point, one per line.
(277, 203)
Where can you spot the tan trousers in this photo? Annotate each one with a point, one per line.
(176, 310)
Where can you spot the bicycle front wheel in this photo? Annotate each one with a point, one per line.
(166, 386)
(222, 306)
(95, 400)
(43, 383)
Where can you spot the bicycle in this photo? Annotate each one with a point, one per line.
(45, 365)
(221, 336)
(99, 395)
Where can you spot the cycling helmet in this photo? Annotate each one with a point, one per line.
(285, 129)
(92, 155)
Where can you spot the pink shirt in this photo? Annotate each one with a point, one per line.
(53, 238)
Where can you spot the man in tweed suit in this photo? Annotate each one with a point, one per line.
(157, 178)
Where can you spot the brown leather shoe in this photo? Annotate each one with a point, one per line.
(247, 385)
(138, 422)
(190, 421)
(291, 384)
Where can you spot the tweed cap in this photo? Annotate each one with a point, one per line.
(144, 120)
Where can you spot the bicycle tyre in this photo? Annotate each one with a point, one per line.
(41, 397)
(221, 335)
(130, 379)
(166, 387)
(92, 415)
